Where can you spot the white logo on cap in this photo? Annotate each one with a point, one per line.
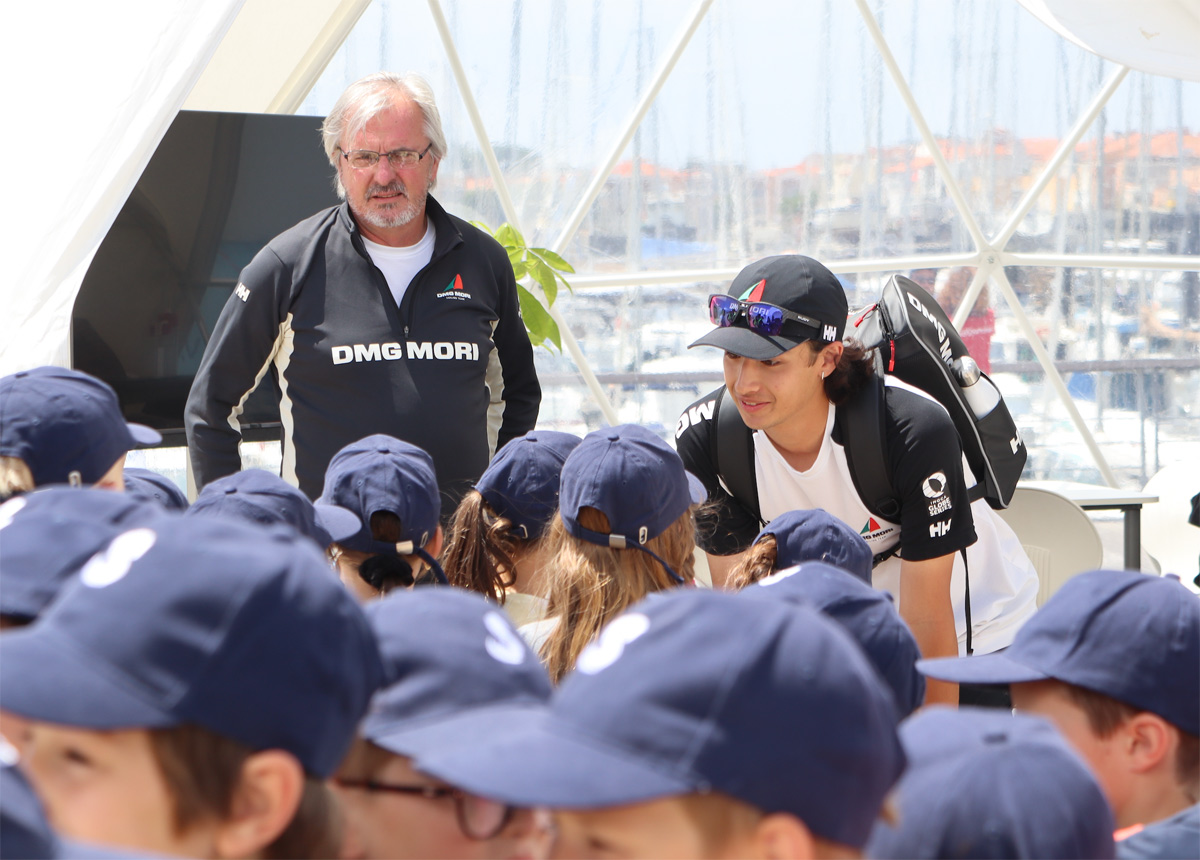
(504, 644)
(830, 333)
(111, 564)
(780, 576)
(10, 509)
(611, 643)
(8, 753)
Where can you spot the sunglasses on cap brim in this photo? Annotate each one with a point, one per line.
(761, 317)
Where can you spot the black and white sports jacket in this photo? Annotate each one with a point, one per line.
(450, 370)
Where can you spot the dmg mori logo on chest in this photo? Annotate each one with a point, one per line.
(442, 350)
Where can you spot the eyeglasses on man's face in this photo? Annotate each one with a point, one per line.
(361, 159)
(478, 818)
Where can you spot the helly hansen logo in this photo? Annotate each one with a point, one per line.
(459, 350)
(691, 418)
(939, 529)
(830, 333)
(241, 291)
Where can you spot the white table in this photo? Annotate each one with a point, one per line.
(1094, 497)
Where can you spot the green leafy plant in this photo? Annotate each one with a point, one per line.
(541, 266)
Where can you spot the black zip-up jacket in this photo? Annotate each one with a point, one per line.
(450, 369)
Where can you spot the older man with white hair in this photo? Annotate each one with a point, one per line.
(385, 314)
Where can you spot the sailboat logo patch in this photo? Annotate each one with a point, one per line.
(454, 290)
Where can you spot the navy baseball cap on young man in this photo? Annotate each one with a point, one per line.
(150, 486)
(65, 425)
(635, 479)
(521, 483)
(1126, 635)
(692, 691)
(48, 534)
(211, 622)
(795, 283)
(866, 613)
(983, 783)
(264, 498)
(455, 667)
(816, 535)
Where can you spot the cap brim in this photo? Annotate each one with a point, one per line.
(144, 435)
(339, 522)
(48, 680)
(983, 669)
(696, 489)
(741, 341)
(540, 763)
(445, 732)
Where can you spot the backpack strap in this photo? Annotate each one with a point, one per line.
(733, 454)
(864, 437)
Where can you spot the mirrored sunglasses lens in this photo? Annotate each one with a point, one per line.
(764, 319)
(482, 818)
(722, 310)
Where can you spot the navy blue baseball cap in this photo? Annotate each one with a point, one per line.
(48, 534)
(455, 668)
(233, 627)
(1126, 635)
(983, 783)
(382, 473)
(66, 425)
(817, 535)
(692, 691)
(150, 486)
(795, 283)
(635, 479)
(262, 497)
(521, 483)
(867, 614)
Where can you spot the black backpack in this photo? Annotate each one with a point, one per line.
(912, 339)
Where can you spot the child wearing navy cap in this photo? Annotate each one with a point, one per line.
(624, 529)
(799, 536)
(699, 724)
(456, 668)
(1113, 660)
(62, 426)
(391, 487)
(191, 690)
(496, 544)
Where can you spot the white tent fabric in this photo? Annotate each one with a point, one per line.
(88, 111)
(1156, 36)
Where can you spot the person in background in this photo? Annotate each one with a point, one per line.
(699, 724)
(385, 314)
(976, 332)
(1113, 660)
(391, 487)
(62, 426)
(982, 784)
(192, 690)
(456, 669)
(624, 529)
(496, 544)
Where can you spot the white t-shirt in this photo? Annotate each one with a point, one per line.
(400, 265)
(1003, 581)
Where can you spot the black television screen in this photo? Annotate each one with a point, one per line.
(217, 189)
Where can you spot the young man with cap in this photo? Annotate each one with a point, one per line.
(1113, 660)
(391, 487)
(456, 668)
(258, 496)
(982, 783)
(191, 690)
(787, 368)
(671, 740)
(62, 426)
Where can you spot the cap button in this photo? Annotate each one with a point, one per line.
(229, 491)
(995, 737)
(612, 435)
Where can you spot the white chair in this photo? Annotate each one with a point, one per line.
(1166, 534)
(1059, 537)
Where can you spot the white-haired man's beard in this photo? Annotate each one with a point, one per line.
(395, 212)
